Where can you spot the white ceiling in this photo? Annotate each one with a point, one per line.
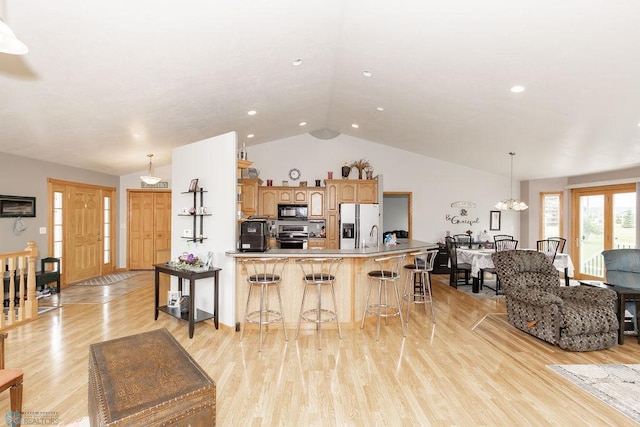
(108, 81)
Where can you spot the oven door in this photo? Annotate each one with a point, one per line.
(292, 243)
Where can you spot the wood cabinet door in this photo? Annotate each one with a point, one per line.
(249, 197)
(300, 196)
(332, 240)
(348, 192)
(367, 191)
(285, 196)
(268, 202)
(316, 204)
(332, 194)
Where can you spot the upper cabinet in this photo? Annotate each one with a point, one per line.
(249, 197)
(316, 204)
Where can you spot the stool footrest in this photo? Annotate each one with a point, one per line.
(386, 310)
(254, 317)
(311, 315)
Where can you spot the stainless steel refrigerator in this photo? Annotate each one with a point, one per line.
(359, 225)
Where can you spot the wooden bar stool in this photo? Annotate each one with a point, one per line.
(388, 273)
(420, 271)
(319, 272)
(11, 378)
(263, 273)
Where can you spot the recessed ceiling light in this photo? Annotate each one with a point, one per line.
(296, 62)
(380, 108)
(303, 123)
(252, 113)
(367, 73)
(517, 89)
(250, 135)
(355, 126)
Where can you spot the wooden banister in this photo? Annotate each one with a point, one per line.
(19, 280)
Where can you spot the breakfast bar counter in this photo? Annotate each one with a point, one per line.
(350, 286)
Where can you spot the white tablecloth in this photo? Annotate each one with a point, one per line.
(481, 259)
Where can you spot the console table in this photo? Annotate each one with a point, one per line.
(193, 315)
(624, 295)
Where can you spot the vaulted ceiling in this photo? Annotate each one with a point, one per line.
(107, 81)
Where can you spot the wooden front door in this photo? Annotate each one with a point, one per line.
(84, 230)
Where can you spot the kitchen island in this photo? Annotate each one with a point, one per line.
(351, 283)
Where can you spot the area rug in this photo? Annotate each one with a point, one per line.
(109, 279)
(617, 385)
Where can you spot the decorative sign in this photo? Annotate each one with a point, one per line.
(161, 184)
(463, 205)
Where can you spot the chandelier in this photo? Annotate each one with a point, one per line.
(149, 178)
(511, 204)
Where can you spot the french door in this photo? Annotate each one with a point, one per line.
(602, 218)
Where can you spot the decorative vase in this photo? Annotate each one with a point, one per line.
(346, 170)
(369, 174)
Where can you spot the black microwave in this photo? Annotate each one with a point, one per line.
(297, 212)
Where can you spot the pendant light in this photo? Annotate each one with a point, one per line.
(511, 204)
(9, 43)
(149, 178)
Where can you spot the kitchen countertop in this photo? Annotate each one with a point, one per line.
(403, 246)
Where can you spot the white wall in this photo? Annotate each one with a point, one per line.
(213, 162)
(435, 184)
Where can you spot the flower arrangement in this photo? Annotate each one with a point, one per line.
(187, 261)
(361, 165)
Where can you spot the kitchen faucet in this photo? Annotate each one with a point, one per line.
(375, 227)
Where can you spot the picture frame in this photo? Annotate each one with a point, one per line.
(193, 186)
(494, 220)
(173, 299)
(17, 206)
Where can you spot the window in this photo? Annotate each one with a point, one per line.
(551, 215)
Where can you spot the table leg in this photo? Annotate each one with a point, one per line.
(192, 308)
(157, 286)
(621, 304)
(475, 287)
(215, 299)
(566, 276)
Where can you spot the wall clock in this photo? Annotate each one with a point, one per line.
(294, 174)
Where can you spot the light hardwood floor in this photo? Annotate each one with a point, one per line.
(471, 368)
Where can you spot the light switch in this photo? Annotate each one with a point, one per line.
(43, 230)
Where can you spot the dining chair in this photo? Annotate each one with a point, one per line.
(462, 240)
(11, 378)
(561, 242)
(456, 268)
(500, 245)
(502, 237)
(548, 247)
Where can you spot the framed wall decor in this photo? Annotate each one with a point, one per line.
(17, 206)
(494, 220)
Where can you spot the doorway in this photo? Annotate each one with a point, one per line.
(397, 208)
(603, 218)
(82, 222)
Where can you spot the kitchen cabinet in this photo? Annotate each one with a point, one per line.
(249, 197)
(268, 201)
(285, 195)
(316, 204)
(300, 195)
(332, 241)
(316, 243)
(242, 164)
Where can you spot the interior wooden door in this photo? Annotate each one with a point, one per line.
(84, 231)
(141, 236)
(161, 222)
(149, 227)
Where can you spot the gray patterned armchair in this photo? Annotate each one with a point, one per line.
(576, 318)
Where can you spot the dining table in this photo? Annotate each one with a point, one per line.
(480, 259)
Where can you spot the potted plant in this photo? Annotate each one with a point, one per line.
(361, 165)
